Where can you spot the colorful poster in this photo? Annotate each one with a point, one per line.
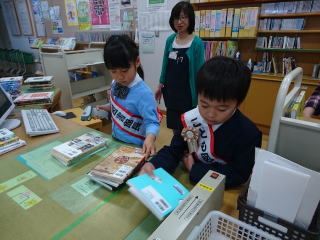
(99, 13)
(57, 27)
(71, 12)
(84, 16)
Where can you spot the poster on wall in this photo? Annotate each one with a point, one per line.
(38, 18)
(23, 16)
(56, 22)
(71, 12)
(99, 13)
(57, 27)
(11, 17)
(84, 15)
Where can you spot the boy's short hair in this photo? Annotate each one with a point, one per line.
(224, 78)
(187, 9)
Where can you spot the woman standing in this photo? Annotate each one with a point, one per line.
(183, 57)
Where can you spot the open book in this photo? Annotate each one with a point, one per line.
(160, 195)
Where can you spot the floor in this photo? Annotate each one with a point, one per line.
(165, 134)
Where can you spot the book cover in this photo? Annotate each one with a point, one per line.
(72, 150)
(120, 164)
(229, 22)
(160, 195)
(38, 79)
(28, 97)
(6, 135)
(235, 23)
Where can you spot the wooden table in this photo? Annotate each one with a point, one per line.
(112, 215)
(93, 123)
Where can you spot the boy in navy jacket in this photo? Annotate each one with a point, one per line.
(227, 139)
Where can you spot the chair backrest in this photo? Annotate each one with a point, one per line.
(294, 139)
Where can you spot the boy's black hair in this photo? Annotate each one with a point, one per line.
(121, 51)
(187, 9)
(223, 78)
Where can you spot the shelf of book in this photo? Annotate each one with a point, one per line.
(289, 50)
(290, 15)
(306, 79)
(226, 38)
(227, 2)
(89, 92)
(289, 31)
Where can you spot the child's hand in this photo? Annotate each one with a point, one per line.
(149, 148)
(188, 161)
(158, 92)
(147, 168)
(106, 107)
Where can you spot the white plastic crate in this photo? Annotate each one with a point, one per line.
(219, 226)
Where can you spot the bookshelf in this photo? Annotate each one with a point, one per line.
(259, 104)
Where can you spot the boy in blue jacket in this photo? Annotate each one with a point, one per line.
(227, 139)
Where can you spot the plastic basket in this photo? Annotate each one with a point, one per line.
(279, 227)
(219, 226)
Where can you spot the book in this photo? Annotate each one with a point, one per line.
(160, 195)
(29, 98)
(6, 135)
(72, 151)
(38, 79)
(116, 168)
(11, 146)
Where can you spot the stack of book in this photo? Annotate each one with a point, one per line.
(117, 167)
(161, 194)
(34, 98)
(40, 83)
(12, 85)
(9, 141)
(78, 148)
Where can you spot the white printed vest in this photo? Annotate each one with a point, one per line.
(125, 120)
(205, 151)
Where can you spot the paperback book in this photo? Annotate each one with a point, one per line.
(72, 151)
(118, 166)
(160, 195)
(30, 98)
(9, 141)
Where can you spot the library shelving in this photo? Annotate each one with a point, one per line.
(259, 104)
(60, 64)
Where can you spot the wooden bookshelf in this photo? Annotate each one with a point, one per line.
(289, 15)
(289, 31)
(289, 50)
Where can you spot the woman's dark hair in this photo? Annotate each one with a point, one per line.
(187, 9)
(121, 51)
(224, 78)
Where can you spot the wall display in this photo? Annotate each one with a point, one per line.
(71, 12)
(24, 17)
(84, 16)
(11, 15)
(38, 18)
(99, 13)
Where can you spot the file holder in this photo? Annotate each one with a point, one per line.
(282, 228)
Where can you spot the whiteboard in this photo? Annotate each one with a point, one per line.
(24, 17)
(11, 16)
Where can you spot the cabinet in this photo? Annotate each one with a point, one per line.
(59, 63)
(259, 103)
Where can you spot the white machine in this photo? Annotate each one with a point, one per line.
(206, 196)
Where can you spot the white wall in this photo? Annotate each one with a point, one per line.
(152, 62)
